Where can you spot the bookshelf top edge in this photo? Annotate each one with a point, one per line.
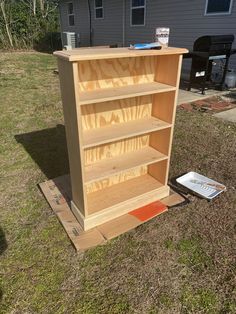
(83, 54)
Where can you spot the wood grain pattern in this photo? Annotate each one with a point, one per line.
(118, 104)
(114, 149)
(73, 131)
(161, 141)
(162, 107)
(121, 192)
(159, 171)
(101, 74)
(116, 132)
(113, 180)
(123, 92)
(108, 53)
(112, 166)
(119, 111)
(178, 64)
(167, 69)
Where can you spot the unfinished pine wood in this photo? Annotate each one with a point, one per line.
(128, 91)
(116, 132)
(159, 171)
(161, 141)
(103, 74)
(167, 70)
(119, 108)
(177, 80)
(108, 167)
(113, 53)
(114, 149)
(115, 179)
(121, 192)
(162, 106)
(69, 94)
(119, 209)
(117, 111)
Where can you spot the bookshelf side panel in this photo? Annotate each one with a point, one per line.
(167, 69)
(71, 118)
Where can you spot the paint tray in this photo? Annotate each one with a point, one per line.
(201, 185)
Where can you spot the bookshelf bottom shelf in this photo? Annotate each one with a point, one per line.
(119, 199)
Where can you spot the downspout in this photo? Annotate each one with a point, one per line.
(90, 24)
(123, 25)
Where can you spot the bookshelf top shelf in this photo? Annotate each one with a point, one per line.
(82, 54)
(108, 94)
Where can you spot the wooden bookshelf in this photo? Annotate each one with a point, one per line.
(119, 109)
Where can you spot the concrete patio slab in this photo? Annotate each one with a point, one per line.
(194, 95)
(228, 115)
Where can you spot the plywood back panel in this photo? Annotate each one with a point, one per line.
(163, 106)
(96, 74)
(130, 174)
(115, 149)
(118, 111)
(167, 69)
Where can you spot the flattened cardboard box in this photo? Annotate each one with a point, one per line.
(58, 194)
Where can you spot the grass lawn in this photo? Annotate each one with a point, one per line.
(181, 262)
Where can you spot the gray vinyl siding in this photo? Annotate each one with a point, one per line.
(108, 30)
(186, 21)
(185, 18)
(81, 19)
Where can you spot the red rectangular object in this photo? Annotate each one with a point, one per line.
(149, 211)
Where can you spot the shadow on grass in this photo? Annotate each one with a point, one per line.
(3, 247)
(48, 149)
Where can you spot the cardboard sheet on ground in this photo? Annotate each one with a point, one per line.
(58, 194)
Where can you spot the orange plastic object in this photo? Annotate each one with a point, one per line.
(148, 211)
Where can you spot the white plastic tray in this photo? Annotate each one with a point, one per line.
(201, 185)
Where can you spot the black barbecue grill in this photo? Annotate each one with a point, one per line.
(206, 50)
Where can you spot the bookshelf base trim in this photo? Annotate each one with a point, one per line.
(93, 220)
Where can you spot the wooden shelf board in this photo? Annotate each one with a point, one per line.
(127, 91)
(115, 132)
(112, 166)
(128, 191)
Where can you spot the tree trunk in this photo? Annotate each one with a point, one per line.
(41, 4)
(34, 7)
(2, 6)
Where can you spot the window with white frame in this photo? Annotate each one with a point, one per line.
(218, 7)
(98, 6)
(71, 14)
(138, 8)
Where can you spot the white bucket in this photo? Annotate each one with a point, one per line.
(230, 79)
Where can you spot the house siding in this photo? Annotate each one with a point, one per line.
(185, 19)
(81, 20)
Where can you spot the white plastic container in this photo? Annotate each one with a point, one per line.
(201, 185)
(162, 36)
(230, 79)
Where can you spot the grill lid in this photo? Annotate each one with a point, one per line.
(216, 43)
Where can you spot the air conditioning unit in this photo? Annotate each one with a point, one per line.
(69, 40)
